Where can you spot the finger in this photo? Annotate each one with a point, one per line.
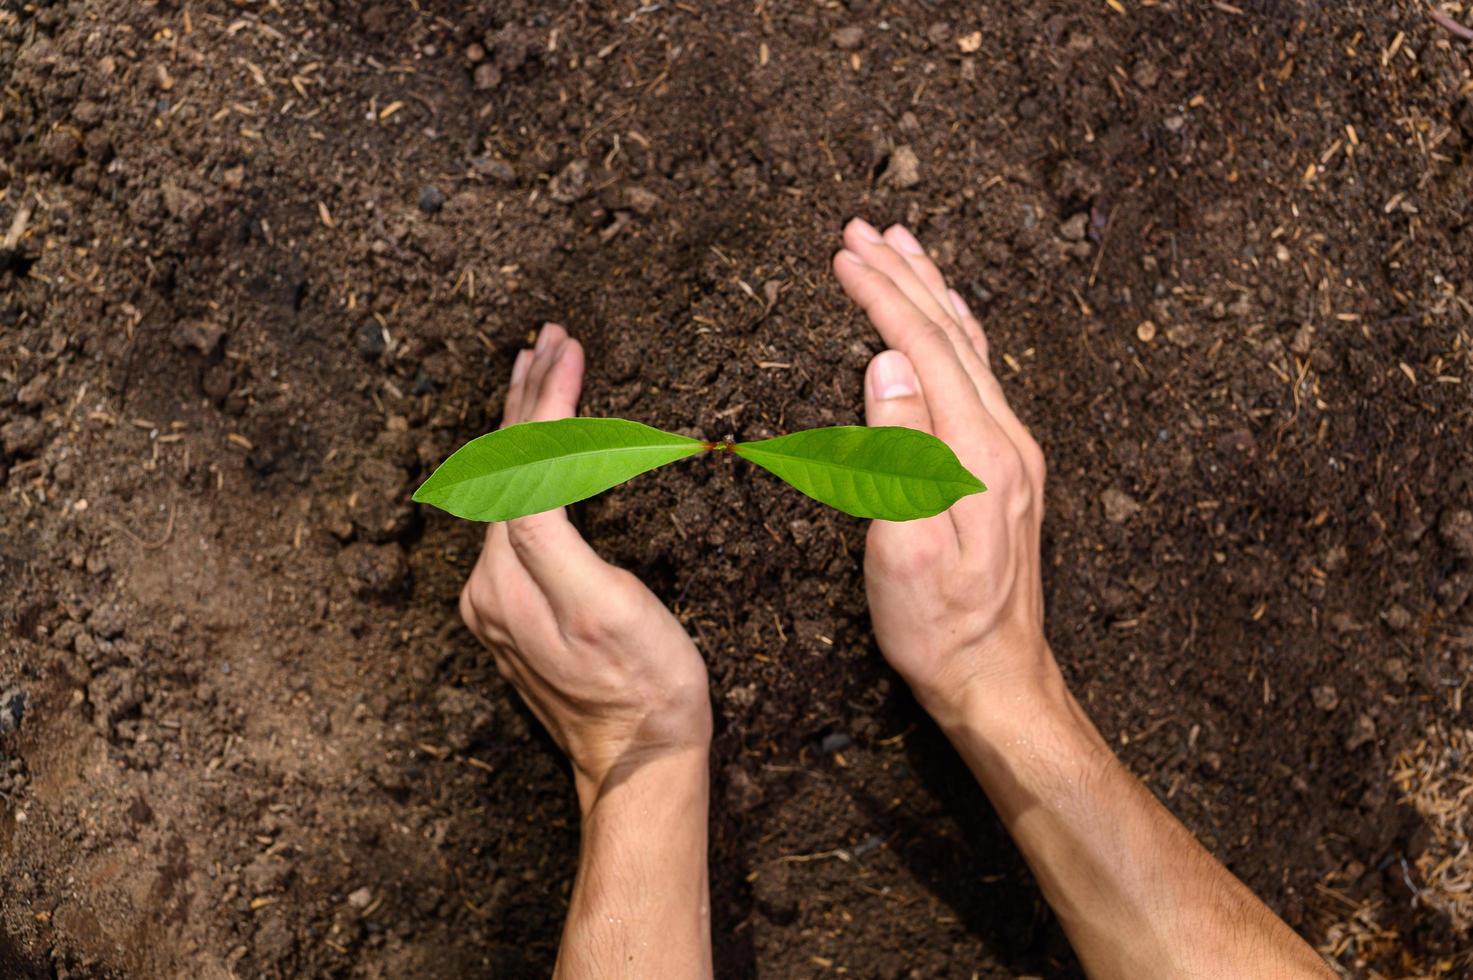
(539, 363)
(562, 383)
(892, 396)
(951, 397)
(989, 387)
(544, 354)
(892, 393)
(884, 253)
(568, 573)
(909, 248)
(972, 327)
(511, 410)
(511, 414)
(920, 278)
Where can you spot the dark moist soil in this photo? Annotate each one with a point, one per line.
(280, 256)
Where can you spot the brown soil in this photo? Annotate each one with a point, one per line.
(236, 330)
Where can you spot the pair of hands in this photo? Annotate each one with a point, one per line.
(956, 600)
(957, 606)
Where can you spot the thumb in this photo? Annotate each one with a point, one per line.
(892, 393)
(557, 389)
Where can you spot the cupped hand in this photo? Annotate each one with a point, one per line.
(956, 600)
(598, 659)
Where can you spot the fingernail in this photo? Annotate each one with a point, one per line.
(849, 256)
(544, 340)
(961, 305)
(894, 377)
(905, 241)
(519, 366)
(867, 231)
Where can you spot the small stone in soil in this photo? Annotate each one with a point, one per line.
(12, 710)
(774, 894)
(487, 77)
(743, 793)
(641, 201)
(1365, 731)
(361, 898)
(1397, 617)
(835, 742)
(22, 437)
(33, 392)
(904, 169)
(1456, 530)
(848, 38)
(374, 570)
(1073, 230)
(467, 716)
(431, 199)
(201, 335)
(1325, 697)
(1119, 506)
(370, 339)
(571, 183)
(498, 170)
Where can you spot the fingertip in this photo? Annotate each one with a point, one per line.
(891, 376)
(892, 393)
(520, 365)
(550, 334)
(901, 239)
(863, 231)
(962, 308)
(511, 411)
(571, 359)
(558, 397)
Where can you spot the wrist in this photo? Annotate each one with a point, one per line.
(994, 683)
(1032, 742)
(647, 781)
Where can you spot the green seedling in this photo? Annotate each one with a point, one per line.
(887, 473)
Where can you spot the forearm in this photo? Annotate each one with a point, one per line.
(1138, 896)
(640, 905)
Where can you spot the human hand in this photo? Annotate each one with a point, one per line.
(598, 659)
(956, 599)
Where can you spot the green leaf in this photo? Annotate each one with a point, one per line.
(888, 473)
(536, 466)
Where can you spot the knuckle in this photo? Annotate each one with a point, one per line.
(1007, 470)
(477, 600)
(525, 535)
(588, 626)
(936, 336)
(468, 613)
(905, 559)
(979, 341)
(1037, 462)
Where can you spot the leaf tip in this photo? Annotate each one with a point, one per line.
(423, 494)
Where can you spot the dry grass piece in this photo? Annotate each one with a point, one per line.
(1436, 778)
